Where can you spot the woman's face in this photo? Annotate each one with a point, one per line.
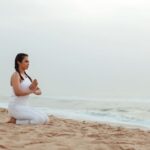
(24, 64)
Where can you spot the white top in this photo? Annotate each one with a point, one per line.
(24, 85)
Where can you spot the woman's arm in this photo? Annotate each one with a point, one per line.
(15, 82)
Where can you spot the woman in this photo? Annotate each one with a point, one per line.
(22, 86)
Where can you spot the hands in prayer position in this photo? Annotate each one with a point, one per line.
(34, 87)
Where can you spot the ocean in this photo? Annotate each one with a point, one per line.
(125, 111)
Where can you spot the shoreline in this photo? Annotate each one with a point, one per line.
(120, 115)
(113, 123)
(69, 134)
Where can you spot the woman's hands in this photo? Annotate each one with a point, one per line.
(38, 91)
(34, 87)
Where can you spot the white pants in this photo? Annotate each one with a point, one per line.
(25, 114)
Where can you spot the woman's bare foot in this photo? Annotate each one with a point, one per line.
(12, 120)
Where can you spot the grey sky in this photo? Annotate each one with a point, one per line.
(84, 48)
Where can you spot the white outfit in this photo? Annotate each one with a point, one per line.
(19, 108)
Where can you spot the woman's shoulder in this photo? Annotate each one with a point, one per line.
(14, 77)
(15, 74)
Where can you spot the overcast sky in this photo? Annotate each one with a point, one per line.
(82, 48)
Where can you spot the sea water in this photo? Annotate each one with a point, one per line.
(129, 111)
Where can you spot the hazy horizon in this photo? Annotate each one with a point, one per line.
(82, 48)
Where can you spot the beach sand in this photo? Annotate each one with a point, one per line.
(67, 134)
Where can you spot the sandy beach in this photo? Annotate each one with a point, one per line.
(67, 134)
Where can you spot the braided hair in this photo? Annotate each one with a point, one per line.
(19, 58)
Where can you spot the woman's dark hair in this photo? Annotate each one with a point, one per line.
(19, 58)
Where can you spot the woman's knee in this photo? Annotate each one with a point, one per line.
(38, 120)
(46, 119)
(43, 118)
